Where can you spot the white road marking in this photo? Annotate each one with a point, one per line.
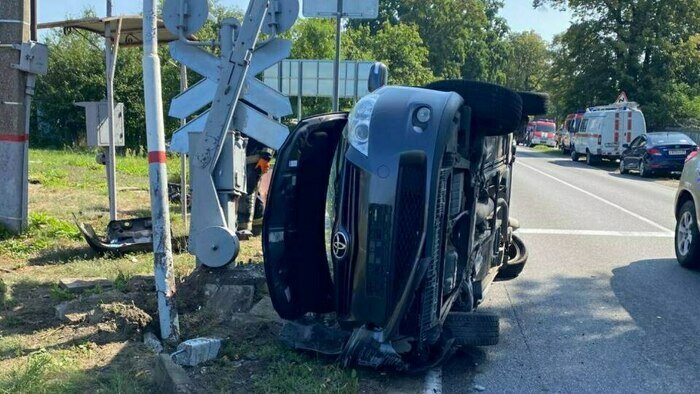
(433, 381)
(601, 199)
(595, 233)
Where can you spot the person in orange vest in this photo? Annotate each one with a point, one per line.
(258, 159)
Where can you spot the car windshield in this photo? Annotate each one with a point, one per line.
(670, 139)
(547, 127)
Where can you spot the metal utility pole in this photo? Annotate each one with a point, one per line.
(336, 64)
(183, 157)
(111, 49)
(15, 16)
(158, 177)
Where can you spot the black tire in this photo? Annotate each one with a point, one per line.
(687, 226)
(517, 258)
(591, 159)
(643, 171)
(535, 103)
(623, 170)
(495, 110)
(473, 329)
(574, 155)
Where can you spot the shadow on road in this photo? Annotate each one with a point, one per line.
(609, 167)
(662, 298)
(634, 331)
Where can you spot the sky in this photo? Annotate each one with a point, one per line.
(519, 13)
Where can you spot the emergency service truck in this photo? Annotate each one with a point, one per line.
(605, 129)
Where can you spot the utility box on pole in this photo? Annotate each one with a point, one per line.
(15, 30)
(97, 123)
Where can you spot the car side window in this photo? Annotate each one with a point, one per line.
(635, 143)
(642, 142)
(584, 125)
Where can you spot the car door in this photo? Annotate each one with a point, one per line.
(639, 151)
(294, 229)
(628, 153)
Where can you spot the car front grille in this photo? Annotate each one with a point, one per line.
(410, 208)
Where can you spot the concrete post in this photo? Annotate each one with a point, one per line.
(336, 62)
(158, 177)
(15, 18)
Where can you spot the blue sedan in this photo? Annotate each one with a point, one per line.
(655, 153)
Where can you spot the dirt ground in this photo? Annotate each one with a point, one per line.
(94, 342)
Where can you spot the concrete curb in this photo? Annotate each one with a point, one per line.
(170, 377)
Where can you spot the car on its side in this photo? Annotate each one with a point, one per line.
(655, 153)
(542, 132)
(687, 213)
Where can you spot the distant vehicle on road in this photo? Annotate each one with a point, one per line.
(605, 129)
(571, 126)
(687, 213)
(654, 153)
(542, 132)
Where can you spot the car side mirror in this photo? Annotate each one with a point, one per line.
(625, 146)
(378, 76)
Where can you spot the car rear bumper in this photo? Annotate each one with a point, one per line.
(672, 165)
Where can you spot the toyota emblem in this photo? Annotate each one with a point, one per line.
(340, 245)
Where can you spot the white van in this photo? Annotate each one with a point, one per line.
(605, 129)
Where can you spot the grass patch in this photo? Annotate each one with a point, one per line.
(546, 149)
(59, 294)
(279, 369)
(291, 370)
(44, 231)
(59, 372)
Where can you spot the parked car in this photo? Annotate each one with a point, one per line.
(390, 224)
(687, 212)
(654, 153)
(605, 129)
(571, 126)
(542, 132)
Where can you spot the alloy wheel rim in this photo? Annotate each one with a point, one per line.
(684, 237)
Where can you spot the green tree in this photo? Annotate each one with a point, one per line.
(629, 46)
(465, 38)
(398, 46)
(528, 62)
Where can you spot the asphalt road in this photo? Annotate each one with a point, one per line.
(602, 305)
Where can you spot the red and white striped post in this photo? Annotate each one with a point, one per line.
(157, 173)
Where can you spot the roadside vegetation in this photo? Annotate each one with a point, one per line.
(648, 48)
(41, 354)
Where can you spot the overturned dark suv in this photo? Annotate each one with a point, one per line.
(385, 227)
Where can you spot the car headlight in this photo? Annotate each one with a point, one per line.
(359, 123)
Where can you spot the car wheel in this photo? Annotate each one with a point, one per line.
(590, 159)
(495, 110)
(574, 155)
(688, 237)
(473, 329)
(534, 103)
(643, 171)
(623, 170)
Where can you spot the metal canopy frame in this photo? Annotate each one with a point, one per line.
(117, 31)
